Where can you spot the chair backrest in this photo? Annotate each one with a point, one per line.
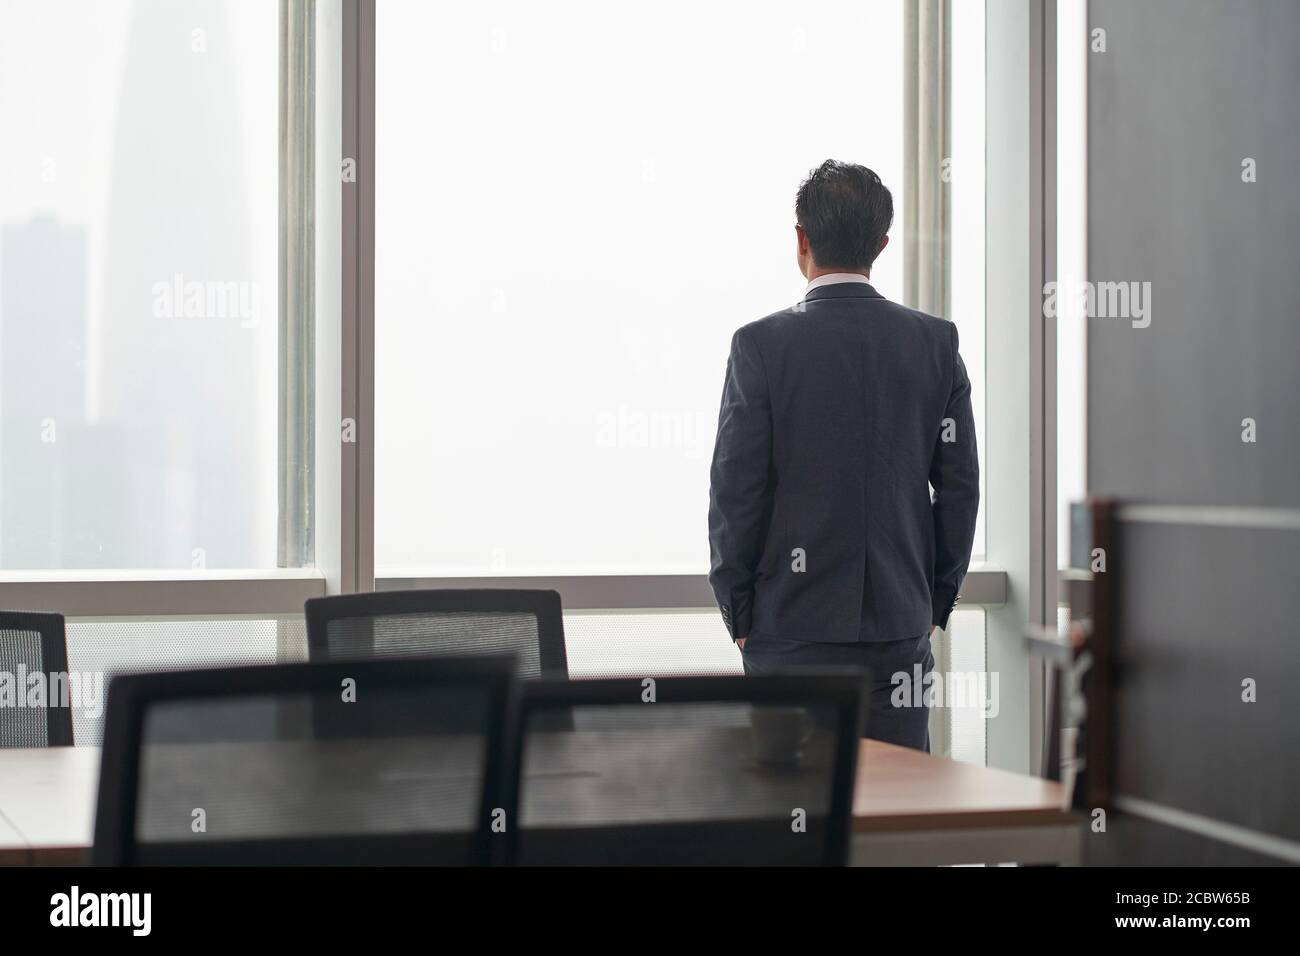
(437, 623)
(231, 765)
(684, 770)
(34, 643)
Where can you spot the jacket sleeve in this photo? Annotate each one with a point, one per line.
(955, 477)
(741, 486)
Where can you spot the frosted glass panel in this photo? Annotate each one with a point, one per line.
(640, 643)
(974, 689)
(637, 643)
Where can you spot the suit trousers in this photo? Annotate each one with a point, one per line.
(894, 715)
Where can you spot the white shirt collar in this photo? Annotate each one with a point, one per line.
(831, 278)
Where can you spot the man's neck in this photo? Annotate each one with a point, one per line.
(835, 278)
(815, 273)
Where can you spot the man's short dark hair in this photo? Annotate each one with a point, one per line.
(846, 211)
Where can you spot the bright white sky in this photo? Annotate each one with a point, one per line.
(576, 209)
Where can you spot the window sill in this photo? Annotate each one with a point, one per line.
(985, 586)
(161, 593)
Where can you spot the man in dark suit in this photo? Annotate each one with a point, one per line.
(838, 417)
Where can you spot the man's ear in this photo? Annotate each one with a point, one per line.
(802, 238)
(883, 242)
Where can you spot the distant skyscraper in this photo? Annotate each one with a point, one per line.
(179, 387)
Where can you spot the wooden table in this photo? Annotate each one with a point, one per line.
(909, 809)
(912, 809)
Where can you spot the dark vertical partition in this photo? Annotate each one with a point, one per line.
(1194, 421)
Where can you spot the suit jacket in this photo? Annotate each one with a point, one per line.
(838, 416)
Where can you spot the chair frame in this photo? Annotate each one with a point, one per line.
(130, 697)
(840, 689)
(542, 604)
(54, 659)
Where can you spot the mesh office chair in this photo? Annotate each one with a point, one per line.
(716, 770)
(527, 624)
(33, 643)
(405, 773)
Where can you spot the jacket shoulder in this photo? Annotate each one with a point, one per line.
(775, 324)
(930, 322)
(787, 320)
(937, 329)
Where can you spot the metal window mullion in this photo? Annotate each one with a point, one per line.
(357, 387)
(1042, 348)
(927, 215)
(297, 285)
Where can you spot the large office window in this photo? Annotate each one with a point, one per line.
(138, 271)
(575, 210)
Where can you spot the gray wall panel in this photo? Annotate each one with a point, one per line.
(1131, 841)
(1203, 608)
(1185, 91)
